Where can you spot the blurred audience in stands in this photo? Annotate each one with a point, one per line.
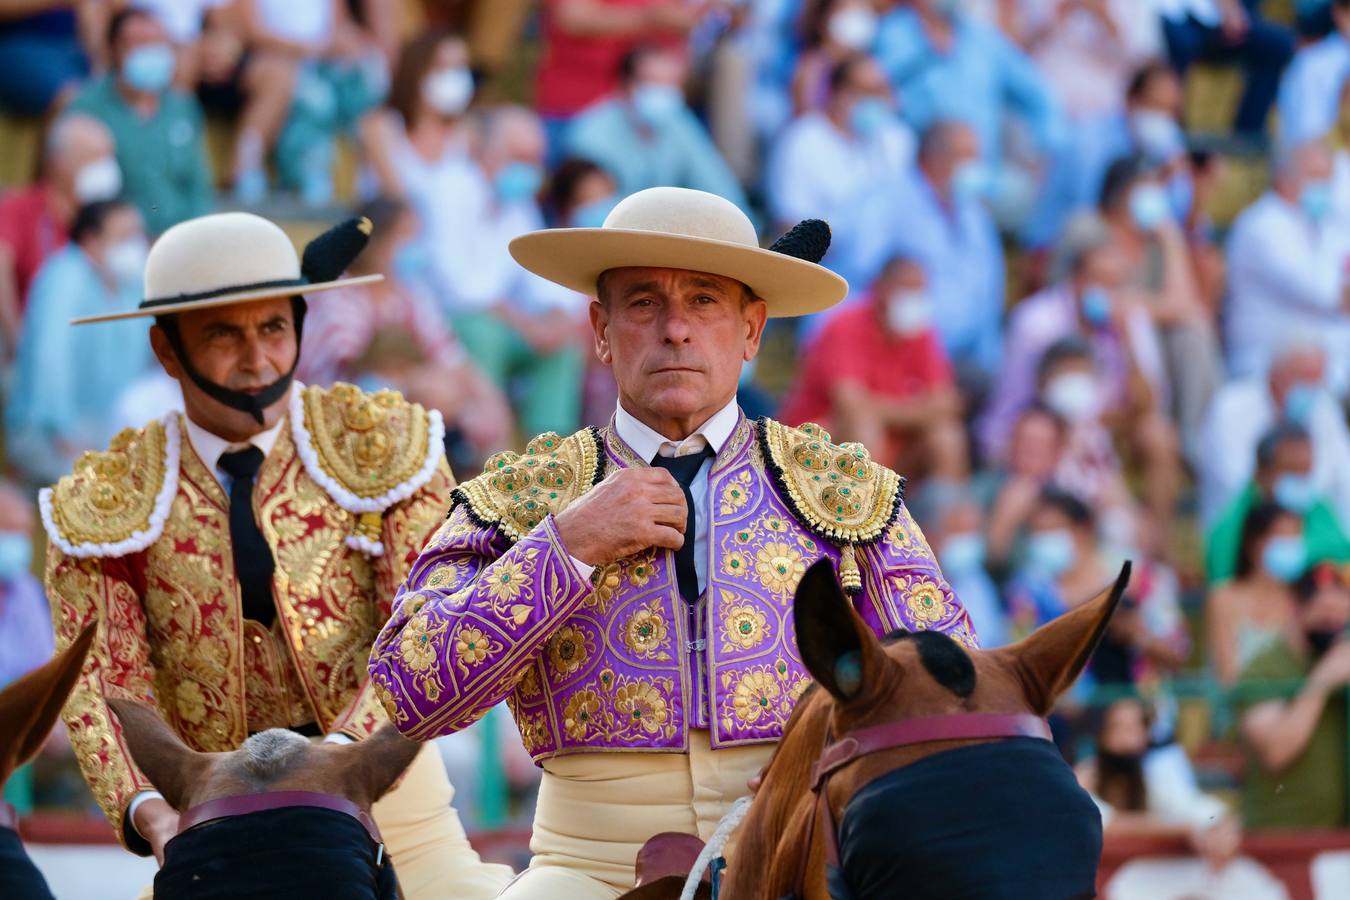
(25, 622)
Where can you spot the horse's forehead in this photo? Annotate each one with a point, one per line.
(941, 658)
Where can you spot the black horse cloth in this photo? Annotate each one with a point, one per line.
(1004, 820)
(19, 878)
(293, 852)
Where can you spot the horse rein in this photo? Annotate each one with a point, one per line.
(244, 804)
(854, 745)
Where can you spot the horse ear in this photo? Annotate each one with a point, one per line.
(1049, 659)
(376, 763)
(836, 645)
(30, 706)
(172, 766)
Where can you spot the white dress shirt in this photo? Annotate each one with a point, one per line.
(211, 447)
(1285, 277)
(648, 444)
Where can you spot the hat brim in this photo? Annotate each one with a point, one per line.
(575, 257)
(168, 309)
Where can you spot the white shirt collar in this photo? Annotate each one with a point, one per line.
(647, 443)
(210, 447)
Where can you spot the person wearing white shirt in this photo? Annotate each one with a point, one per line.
(1287, 260)
(1310, 89)
(518, 327)
(1243, 410)
(837, 163)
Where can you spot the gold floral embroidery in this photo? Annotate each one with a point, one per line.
(528, 686)
(642, 703)
(774, 524)
(743, 625)
(509, 586)
(569, 649)
(755, 693)
(641, 568)
(906, 537)
(779, 566)
(111, 495)
(506, 581)
(191, 702)
(305, 560)
(605, 581)
(924, 600)
(369, 443)
(472, 646)
(645, 632)
(735, 563)
(580, 714)
(533, 732)
(416, 645)
(735, 494)
(798, 688)
(443, 576)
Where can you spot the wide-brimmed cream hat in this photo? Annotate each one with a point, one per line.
(678, 228)
(237, 257)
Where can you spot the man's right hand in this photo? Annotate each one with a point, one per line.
(157, 822)
(631, 510)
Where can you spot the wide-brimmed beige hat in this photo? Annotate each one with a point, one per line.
(237, 257)
(678, 228)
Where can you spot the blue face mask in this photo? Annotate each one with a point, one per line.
(149, 68)
(1300, 401)
(1315, 199)
(1096, 301)
(1297, 493)
(962, 553)
(1284, 558)
(657, 104)
(971, 181)
(868, 116)
(16, 555)
(593, 214)
(1150, 206)
(1050, 553)
(517, 182)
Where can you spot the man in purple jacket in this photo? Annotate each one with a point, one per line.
(628, 590)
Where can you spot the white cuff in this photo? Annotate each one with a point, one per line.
(585, 569)
(137, 801)
(337, 738)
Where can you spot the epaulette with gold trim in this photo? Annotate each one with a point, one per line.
(116, 501)
(518, 490)
(367, 451)
(837, 490)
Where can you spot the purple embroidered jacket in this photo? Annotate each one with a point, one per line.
(495, 608)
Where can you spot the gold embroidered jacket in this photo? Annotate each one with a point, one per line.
(495, 608)
(140, 540)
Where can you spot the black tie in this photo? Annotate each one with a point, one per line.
(684, 468)
(253, 564)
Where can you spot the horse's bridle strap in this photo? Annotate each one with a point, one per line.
(923, 730)
(243, 804)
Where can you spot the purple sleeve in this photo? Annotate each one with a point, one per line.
(904, 588)
(472, 616)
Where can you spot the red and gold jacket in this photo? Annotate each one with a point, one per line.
(140, 540)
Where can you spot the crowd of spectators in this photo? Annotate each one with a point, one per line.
(1080, 335)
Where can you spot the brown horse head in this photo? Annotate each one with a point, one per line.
(30, 706)
(867, 682)
(273, 760)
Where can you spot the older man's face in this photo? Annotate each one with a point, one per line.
(676, 341)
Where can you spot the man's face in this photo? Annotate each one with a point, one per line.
(676, 341)
(962, 147)
(1104, 266)
(138, 31)
(1163, 93)
(1035, 446)
(1293, 456)
(866, 79)
(244, 347)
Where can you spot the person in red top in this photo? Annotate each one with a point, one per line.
(877, 374)
(78, 167)
(585, 40)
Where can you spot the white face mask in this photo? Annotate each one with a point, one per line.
(98, 180)
(126, 260)
(448, 91)
(907, 312)
(854, 28)
(1074, 396)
